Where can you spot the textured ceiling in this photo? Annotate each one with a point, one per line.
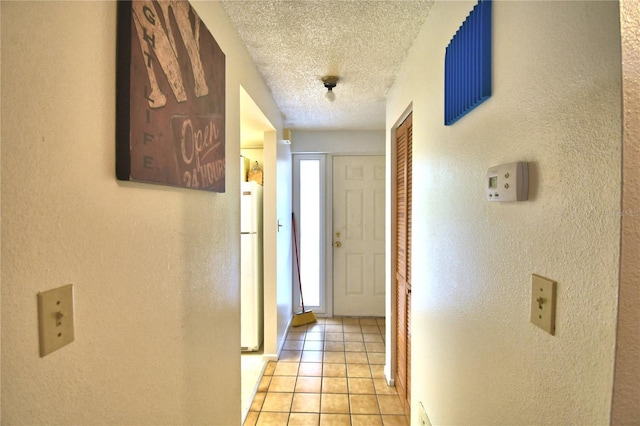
(295, 43)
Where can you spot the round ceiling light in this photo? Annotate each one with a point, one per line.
(330, 82)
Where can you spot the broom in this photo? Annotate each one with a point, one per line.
(304, 317)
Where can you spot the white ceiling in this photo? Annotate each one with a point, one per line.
(295, 43)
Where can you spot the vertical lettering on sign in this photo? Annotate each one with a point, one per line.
(147, 138)
(156, 98)
(147, 162)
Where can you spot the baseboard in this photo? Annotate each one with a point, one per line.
(266, 358)
(245, 410)
(387, 375)
(276, 356)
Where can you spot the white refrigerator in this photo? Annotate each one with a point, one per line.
(251, 275)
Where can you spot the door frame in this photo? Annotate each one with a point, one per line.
(327, 251)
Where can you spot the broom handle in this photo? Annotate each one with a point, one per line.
(295, 242)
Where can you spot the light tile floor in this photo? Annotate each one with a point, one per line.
(329, 373)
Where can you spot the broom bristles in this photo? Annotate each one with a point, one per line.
(303, 318)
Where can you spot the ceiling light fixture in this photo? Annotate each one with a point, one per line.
(330, 82)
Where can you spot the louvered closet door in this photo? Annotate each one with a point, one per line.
(403, 262)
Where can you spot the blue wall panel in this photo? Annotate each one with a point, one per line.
(467, 64)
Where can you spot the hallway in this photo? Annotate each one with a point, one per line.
(329, 373)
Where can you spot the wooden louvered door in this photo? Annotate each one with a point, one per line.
(403, 262)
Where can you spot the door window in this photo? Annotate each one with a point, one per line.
(308, 200)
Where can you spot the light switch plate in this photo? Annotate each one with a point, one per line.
(423, 420)
(55, 318)
(543, 303)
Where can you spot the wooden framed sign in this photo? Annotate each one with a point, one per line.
(170, 106)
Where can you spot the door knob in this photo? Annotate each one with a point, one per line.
(337, 244)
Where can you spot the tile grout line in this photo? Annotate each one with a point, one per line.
(367, 350)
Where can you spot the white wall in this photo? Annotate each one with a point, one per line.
(338, 141)
(283, 236)
(476, 358)
(277, 259)
(155, 269)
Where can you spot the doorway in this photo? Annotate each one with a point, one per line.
(340, 200)
(254, 128)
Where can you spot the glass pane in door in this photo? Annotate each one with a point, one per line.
(310, 226)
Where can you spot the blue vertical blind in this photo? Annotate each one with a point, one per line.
(467, 64)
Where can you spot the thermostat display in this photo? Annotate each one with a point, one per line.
(493, 182)
(508, 182)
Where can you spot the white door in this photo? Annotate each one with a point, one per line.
(358, 235)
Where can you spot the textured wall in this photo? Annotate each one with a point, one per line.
(556, 104)
(284, 239)
(626, 396)
(155, 269)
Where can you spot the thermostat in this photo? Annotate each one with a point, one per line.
(508, 182)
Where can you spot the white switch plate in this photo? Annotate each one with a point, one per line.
(55, 318)
(543, 303)
(424, 419)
